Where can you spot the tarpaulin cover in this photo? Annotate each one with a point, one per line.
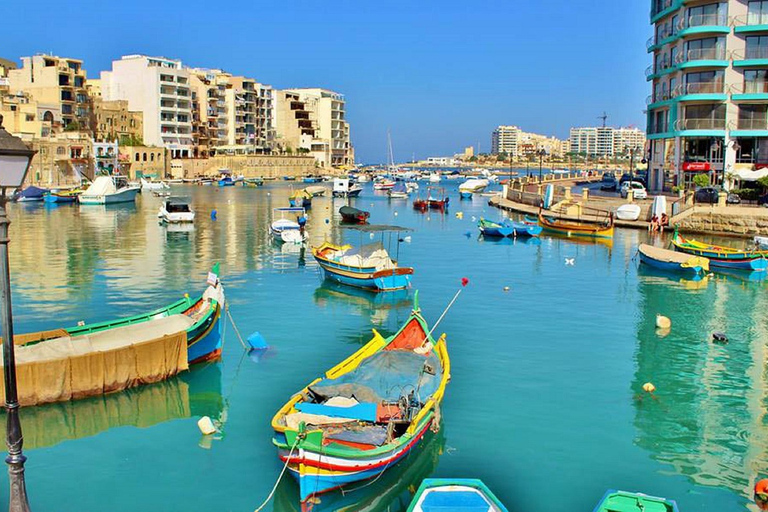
(68, 368)
(386, 376)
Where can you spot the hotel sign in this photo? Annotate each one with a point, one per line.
(696, 166)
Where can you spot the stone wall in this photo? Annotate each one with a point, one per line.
(250, 166)
(725, 220)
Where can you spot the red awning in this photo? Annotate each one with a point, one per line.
(696, 166)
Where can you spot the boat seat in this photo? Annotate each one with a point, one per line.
(360, 411)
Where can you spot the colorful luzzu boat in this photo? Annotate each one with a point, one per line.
(360, 419)
(722, 257)
(368, 267)
(203, 336)
(577, 228)
(672, 261)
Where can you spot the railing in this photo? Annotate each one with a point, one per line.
(700, 124)
(704, 20)
(660, 5)
(749, 87)
(681, 204)
(701, 54)
(716, 87)
(750, 19)
(753, 124)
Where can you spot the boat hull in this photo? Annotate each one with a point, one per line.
(57, 199)
(668, 266)
(126, 195)
(725, 257)
(576, 229)
(366, 277)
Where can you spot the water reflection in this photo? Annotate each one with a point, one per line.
(392, 491)
(192, 394)
(365, 303)
(708, 419)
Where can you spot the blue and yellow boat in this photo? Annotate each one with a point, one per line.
(720, 256)
(672, 261)
(507, 228)
(358, 420)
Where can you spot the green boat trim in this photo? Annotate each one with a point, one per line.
(622, 501)
(474, 483)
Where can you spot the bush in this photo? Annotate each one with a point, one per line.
(701, 180)
(747, 194)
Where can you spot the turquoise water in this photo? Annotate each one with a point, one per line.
(545, 403)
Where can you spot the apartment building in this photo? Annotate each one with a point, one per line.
(605, 141)
(112, 120)
(314, 121)
(251, 107)
(58, 82)
(707, 111)
(209, 110)
(160, 89)
(506, 139)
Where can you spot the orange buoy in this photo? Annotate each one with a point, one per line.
(761, 488)
(648, 387)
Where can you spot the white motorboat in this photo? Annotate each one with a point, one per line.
(153, 185)
(434, 177)
(289, 229)
(316, 190)
(474, 185)
(175, 211)
(628, 212)
(383, 184)
(761, 242)
(344, 187)
(109, 190)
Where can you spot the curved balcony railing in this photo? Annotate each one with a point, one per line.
(703, 20)
(749, 87)
(750, 19)
(716, 87)
(659, 96)
(760, 52)
(660, 5)
(701, 54)
(707, 123)
(753, 124)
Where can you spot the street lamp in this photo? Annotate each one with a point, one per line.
(15, 158)
(542, 153)
(713, 149)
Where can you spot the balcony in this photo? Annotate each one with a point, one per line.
(750, 23)
(753, 124)
(755, 56)
(702, 57)
(749, 91)
(700, 91)
(700, 124)
(661, 8)
(704, 24)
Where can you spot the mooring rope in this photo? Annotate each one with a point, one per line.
(237, 331)
(285, 466)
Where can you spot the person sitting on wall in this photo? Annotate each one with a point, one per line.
(664, 221)
(654, 225)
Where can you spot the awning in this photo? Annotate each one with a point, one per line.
(749, 175)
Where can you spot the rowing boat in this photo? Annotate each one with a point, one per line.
(665, 259)
(369, 266)
(507, 228)
(720, 256)
(458, 494)
(352, 214)
(577, 228)
(359, 419)
(621, 501)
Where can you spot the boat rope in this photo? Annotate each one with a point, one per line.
(237, 331)
(442, 315)
(280, 477)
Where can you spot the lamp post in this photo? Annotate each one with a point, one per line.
(713, 149)
(630, 191)
(15, 158)
(542, 153)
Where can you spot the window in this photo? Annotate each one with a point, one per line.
(30, 117)
(137, 157)
(710, 14)
(755, 81)
(60, 150)
(145, 157)
(705, 117)
(708, 48)
(151, 157)
(704, 82)
(753, 117)
(757, 47)
(757, 12)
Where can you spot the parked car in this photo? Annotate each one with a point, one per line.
(640, 178)
(733, 199)
(638, 190)
(609, 182)
(763, 200)
(706, 195)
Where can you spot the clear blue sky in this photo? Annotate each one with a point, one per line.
(440, 74)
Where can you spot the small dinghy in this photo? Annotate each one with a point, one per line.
(288, 229)
(628, 212)
(353, 215)
(621, 501)
(456, 494)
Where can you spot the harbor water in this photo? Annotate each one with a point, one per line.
(550, 344)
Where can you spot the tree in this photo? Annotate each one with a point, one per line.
(763, 182)
(701, 180)
(502, 156)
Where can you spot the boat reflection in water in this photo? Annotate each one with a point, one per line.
(526, 240)
(706, 419)
(654, 276)
(367, 303)
(192, 394)
(392, 491)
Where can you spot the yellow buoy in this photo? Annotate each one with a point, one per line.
(648, 387)
(662, 322)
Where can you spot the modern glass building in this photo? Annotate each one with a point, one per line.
(708, 108)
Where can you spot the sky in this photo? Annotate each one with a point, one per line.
(438, 74)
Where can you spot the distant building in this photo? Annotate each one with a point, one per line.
(443, 161)
(314, 121)
(506, 139)
(605, 141)
(57, 82)
(113, 121)
(159, 88)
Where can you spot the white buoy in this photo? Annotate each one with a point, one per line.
(206, 426)
(662, 322)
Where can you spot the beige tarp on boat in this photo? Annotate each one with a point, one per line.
(68, 368)
(665, 255)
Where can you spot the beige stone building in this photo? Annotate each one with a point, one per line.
(138, 161)
(55, 81)
(314, 121)
(62, 159)
(113, 121)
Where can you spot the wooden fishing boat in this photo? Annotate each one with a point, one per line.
(507, 228)
(369, 266)
(457, 494)
(63, 196)
(577, 228)
(315, 190)
(30, 194)
(300, 199)
(203, 332)
(665, 259)
(109, 190)
(289, 229)
(420, 204)
(722, 257)
(359, 418)
(353, 215)
(621, 501)
(253, 182)
(226, 181)
(436, 199)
